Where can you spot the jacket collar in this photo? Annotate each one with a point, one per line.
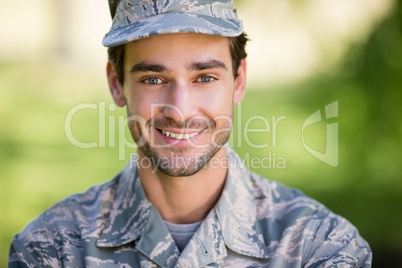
(130, 210)
(234, 218)
(237, 211)
(132, 218)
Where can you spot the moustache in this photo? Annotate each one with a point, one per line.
(197, 122)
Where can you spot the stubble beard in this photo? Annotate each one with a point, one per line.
(178, 164)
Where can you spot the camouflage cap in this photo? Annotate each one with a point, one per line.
(136, 19)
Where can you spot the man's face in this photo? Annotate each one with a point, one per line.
(179, 91)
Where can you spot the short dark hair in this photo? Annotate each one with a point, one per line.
(237, 46)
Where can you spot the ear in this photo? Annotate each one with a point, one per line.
(116, 89)
(240, 82)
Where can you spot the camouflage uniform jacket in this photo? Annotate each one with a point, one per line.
(255, 223)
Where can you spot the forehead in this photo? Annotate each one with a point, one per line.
(178, 46)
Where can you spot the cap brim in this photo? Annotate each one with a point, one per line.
(173, 23)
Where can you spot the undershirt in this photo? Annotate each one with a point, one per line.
(182, 233)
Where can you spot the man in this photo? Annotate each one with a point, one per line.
(179, 67)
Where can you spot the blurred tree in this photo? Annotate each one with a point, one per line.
(376, 69)
(366, 187)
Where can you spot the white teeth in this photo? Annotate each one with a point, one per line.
(179, 136)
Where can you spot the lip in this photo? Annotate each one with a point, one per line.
(179, 135)
(181, 130)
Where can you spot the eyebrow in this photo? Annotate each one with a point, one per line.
(210, 64)
(158, 68)
(148, 67)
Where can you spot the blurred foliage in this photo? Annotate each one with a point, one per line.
(366, 187)
(40, 166)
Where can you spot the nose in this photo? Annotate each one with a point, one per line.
(180, 102)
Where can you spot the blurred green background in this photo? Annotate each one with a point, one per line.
(303, 56)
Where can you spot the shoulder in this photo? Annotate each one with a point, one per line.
(272, 196)
(83, 207)
(64, 224)
(288, 217)
(289, 207)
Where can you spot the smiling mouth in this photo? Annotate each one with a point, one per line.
(179, 136)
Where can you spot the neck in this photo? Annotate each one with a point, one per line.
(184, 199)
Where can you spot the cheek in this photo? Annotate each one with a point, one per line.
(140, 103)
(219, 103)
